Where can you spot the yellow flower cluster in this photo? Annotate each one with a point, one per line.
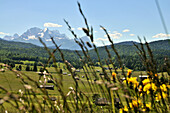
(147, 107)
(149, 86)
(145, 87)
(135, 103)
(158, 96)
(163, 87)
(125, 109)
(146, 81)
(132, 80)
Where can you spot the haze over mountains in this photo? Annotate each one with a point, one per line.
(32, 34)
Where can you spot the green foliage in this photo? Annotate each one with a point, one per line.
(27, 68)
(35, 67)
(17, 52)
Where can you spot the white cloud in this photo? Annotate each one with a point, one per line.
(161, 35)
(101, 43)
(97, 43)
(114, 31)
(132, 34)
(79, 28)
(57, 38)
(126, 30)
(48, 40)
(72, 28)
(95, 31)
(2, 33)
(51, 25)
(101, 28)
(116, 35)
(102, 39)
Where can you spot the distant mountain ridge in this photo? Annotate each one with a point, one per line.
(127, 43)
(32, 35)
(155, 45)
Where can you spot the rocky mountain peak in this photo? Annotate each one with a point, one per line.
(32, 35)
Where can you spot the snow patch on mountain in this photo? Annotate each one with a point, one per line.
(41, 34)
(32, 37)
(25, 39)
(45, 29)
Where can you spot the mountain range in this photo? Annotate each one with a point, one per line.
(32, 36)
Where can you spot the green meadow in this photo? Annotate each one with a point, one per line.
(12, 83)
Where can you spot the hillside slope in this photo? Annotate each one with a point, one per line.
(15, 51)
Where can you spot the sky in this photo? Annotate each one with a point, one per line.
(124, 19)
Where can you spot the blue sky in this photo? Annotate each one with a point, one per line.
(124, 19)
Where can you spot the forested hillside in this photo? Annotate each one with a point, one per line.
(17, 51)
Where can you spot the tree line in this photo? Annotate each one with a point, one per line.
(13, 53)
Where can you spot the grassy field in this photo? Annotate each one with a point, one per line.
(9, 80)
(12, 83)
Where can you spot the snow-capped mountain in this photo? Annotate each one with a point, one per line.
(32, 34)
(15, 36)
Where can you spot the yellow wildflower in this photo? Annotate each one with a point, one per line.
(135, 103)
(146, 87)
(156, 75)
(125, 108)
(164, 95)
(129, 72)
(120, 110)
(132, 80)
(143, 110)
(139, 102)
(148, 105)
(125, 80)
(158, 97)
(130, 104)
(147, 92)
(141, 95)
(136, 85)
(154, 87)
(146, 81)
(163, 87)
(149, 86)
(140, 89)
(113, 74)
